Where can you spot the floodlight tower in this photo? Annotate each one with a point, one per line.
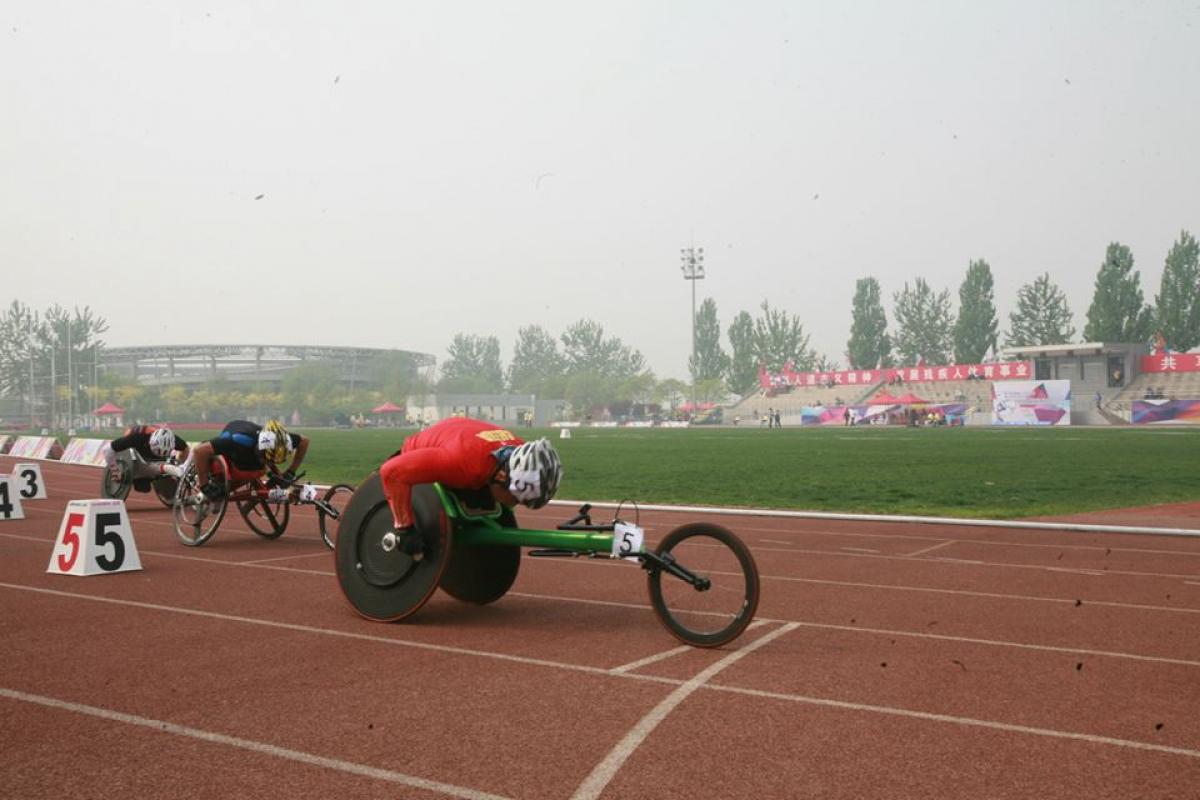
(692, 265)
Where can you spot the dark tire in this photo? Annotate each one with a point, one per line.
(337, 498)
(481, 574)
(196, 517)
(716, 615)
(164, 490)
(117, 488)
(267, 518)
(383, 585)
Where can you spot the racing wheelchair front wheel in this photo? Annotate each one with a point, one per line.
(196, 517)
(713, 597)
(336, 500)
(380, 581)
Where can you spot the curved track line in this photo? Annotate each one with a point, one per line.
(604, 772)
(261, 748)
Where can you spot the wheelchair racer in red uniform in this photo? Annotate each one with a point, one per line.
(465, 453)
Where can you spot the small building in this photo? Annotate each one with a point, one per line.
(506, 409)
(1093, 368)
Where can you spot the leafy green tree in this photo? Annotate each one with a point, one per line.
(587, 349)
(869, 345)
(923, 324)
(312, 388)
(473, 366)
(742, 377)
(1177, 306)
(22, 337)
(536, 362)
(975, 331)
(1041, 317)
(1117, 313)
(709, 361)
(672, 392)
(823, 363)
(779, 339)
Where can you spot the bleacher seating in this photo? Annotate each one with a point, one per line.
(974, 393)
(789, 403)
(1168, 385)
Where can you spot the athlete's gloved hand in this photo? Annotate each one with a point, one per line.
(173, 470)
(212, 491)
(409, 541)
(289, 477)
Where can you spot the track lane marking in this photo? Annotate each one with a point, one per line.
(931, 548)
(593, 785)
(783, 578)
(928, 716)
(654, 659)
(889, 710)
(262, 748)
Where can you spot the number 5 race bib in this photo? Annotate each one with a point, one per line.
(627, 541)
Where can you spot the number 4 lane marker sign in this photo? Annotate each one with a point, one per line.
(10, 499)
(93, 539)
(29, 477)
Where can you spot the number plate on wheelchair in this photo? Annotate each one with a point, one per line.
(308, 492)
(627, 541)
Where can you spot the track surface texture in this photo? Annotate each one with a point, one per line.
(888, 661)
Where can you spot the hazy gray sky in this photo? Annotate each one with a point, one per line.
(432, 168)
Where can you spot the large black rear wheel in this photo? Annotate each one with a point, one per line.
(380, 581)
(715, 607)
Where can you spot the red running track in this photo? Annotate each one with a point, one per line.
(889, 661)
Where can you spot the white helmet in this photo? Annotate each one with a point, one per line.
(162, 442)
(534, 471)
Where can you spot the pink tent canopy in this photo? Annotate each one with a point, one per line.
(883, 398)
(910, 399)
(387, 408)
(109, 408)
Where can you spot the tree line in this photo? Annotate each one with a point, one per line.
(927, 330)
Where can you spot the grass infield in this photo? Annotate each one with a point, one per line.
(999, 473)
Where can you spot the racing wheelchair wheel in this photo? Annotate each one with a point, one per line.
(337, 499)
(117, 487)
(717, 611)
(196, 517)
(483, 574)
(385, 584)
(164, 490)
(266, 517)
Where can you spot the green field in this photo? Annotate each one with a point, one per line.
(968, 472)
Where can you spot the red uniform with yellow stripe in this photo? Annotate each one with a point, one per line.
(456, 452)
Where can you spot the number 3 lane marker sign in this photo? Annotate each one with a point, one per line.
(29, 478)
(94, 538)
(10, 499)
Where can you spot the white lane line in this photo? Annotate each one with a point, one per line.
(1076, 651)
(963, 721)
(783, 578)
(989, 595)
(920, 538)
(600, 776)
(629, 675)
(632, 665)
(327, 554)
(925, 550)
(262, 748)
(860, 549)
(774, 541)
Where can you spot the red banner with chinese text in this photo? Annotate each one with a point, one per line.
(1171, 362)
(1004, 370)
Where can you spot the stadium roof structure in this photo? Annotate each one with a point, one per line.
(195, 363)
(1078, 349)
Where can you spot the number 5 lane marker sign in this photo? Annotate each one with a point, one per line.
(94, 538)
(10, 499)
(29, 478)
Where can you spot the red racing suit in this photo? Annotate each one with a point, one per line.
(456, 452)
